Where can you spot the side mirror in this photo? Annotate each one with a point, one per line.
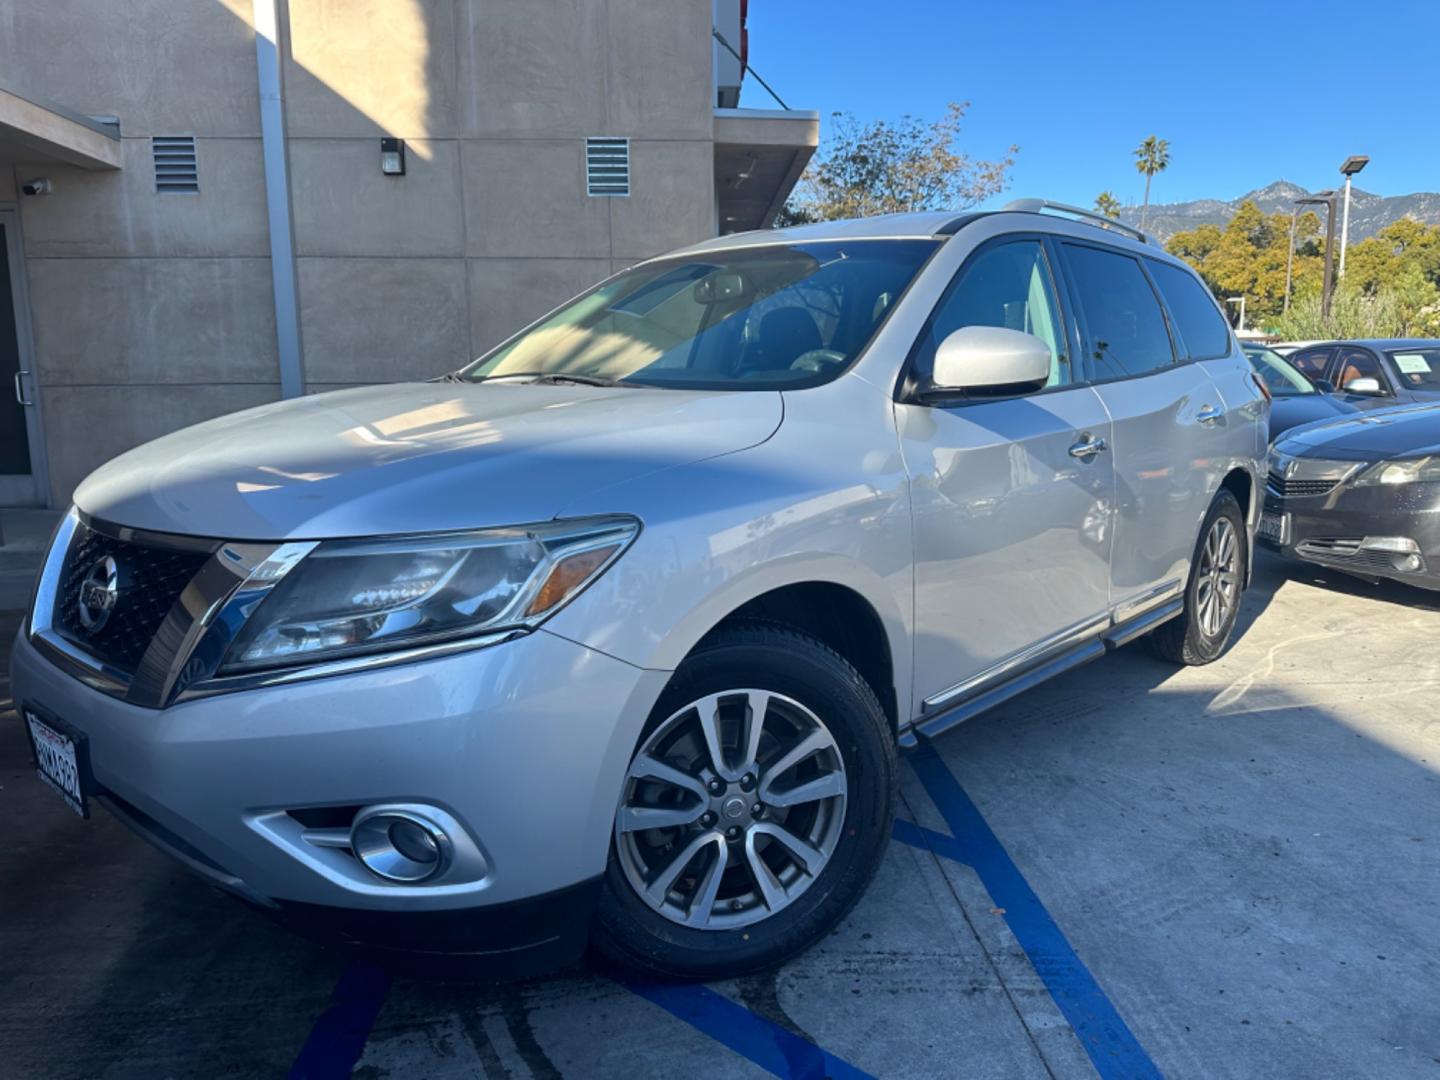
(1325, 386)
(990, 358)
(1365, 385)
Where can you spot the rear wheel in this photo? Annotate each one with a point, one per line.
(755, 809)
(1212, 595)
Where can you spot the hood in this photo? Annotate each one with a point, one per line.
(415, 457)
(1288, 411)
(1407, 431)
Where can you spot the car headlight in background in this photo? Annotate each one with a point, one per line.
(1304, 468)
(364, 596)
(1407, 471)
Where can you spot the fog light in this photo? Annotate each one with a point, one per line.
(400, 845)
(1398, 545)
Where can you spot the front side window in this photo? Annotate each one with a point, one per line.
(1203, 330)
(1008, 286)
(1419, 368)
(778, 317)
(1279, 377)
(1358, 364)
(1125, 328)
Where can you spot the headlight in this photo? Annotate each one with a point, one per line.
(1410, 471)
(1289, 467)
(364, 596)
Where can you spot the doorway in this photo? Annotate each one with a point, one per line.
(22, 448)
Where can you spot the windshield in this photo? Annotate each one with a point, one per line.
(774, 318)
(1279, 376)
(1419, 368)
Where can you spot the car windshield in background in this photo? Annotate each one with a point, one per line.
(1278, 374)
(1419, 368)
(776, 317)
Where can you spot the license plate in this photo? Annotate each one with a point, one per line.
(59, 760)
(1273, 528)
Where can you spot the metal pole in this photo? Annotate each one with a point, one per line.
(1290, 258)
(1345, 228)
(1329, 257)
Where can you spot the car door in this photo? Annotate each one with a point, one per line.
(1354, 363)
(1011, 496)
(1168, 422)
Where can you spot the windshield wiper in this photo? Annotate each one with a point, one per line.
(541, 378)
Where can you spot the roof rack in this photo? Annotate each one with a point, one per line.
(1088, 217)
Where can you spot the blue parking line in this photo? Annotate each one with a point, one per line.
(1112, 1047)
(338, 1038)
(779, 1052)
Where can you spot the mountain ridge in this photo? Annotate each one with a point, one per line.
(1369, 213)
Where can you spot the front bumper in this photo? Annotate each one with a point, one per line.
(524, 744)
(1353, 529)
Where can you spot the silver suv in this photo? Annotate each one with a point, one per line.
(614, 634)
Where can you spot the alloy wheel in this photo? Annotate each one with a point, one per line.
(732, 808)
(1217, 587)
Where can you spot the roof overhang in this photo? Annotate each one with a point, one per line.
(759, 156)
(32, 133)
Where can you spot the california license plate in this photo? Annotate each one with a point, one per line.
(1273, 528)
(59, 760)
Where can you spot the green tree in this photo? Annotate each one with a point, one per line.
(1151, 156)
(1248, 258)
(888, 167)
(1106, 203)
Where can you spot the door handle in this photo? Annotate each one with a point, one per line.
(1087, 448)
(19, 388)
(1209, 415)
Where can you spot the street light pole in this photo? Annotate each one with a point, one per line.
(1327, 198)
(1348, 168)
(1290, 259)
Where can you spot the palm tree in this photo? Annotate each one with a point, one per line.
(1151, 156)
(1107, 204)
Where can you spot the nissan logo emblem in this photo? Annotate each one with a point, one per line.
(98, 593)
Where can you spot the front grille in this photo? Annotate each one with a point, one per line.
(150, 579)
(1348, 551)
(1289, 489)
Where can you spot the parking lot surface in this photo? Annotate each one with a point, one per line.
(1229, 871)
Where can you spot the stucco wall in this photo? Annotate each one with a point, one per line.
(152, 311)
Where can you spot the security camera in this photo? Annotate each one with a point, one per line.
(42, 186)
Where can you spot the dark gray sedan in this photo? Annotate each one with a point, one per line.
(1294, 399)
(1360, 494)
(1374, 373)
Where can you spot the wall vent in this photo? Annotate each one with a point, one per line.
(175, 169)
(607, 166)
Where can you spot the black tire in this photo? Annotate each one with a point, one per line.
(767, 656)
(1183, 640)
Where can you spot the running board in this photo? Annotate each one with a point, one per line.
(984, 698)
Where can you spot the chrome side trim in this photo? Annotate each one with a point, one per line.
(349, 665)
(88, 669)
(1025, 658)
(42, 608)
(1128, 609)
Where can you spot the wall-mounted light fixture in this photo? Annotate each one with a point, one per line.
(392, 157)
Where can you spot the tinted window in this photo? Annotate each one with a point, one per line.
(1203, 330)
(781, 316)
(1125, 328)
(1311, 361)
(1358, 364)
(1279, 377)
(1009, 286)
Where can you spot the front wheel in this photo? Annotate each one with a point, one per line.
(1212, 595)
(755, 810)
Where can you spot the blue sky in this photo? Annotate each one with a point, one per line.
(1243, 91)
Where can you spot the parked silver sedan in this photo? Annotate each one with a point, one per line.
(614, 634)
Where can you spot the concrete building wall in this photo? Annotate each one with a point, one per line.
(152, 311)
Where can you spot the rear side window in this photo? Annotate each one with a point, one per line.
(1203, 331)
(1125, 328)
(1312, 362)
